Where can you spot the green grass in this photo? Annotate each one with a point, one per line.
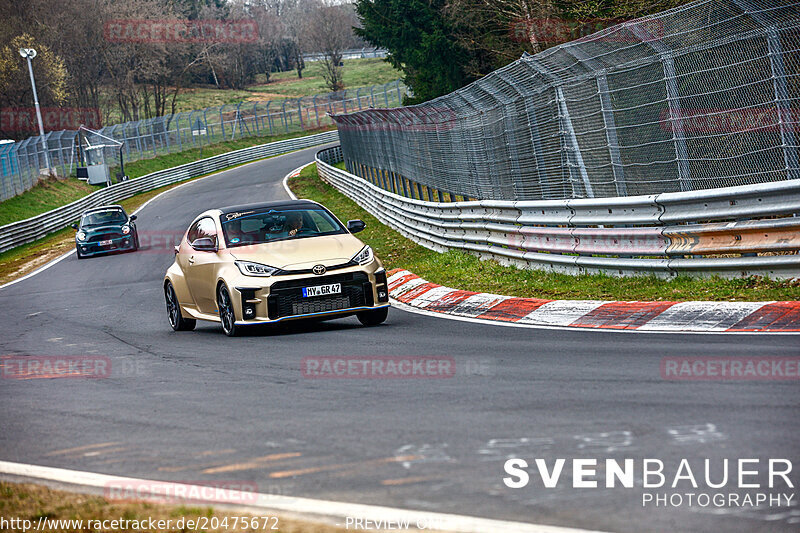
(29, 502)
(282, 85)
(51, 194)
(357, 73)
(46, 195)
(464, 271)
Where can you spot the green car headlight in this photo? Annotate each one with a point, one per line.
(81, 236)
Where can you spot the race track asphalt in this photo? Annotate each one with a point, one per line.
(199, 406)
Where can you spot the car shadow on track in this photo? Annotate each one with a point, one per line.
(294, 327)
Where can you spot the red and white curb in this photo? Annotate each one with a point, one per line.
(336, 513)
(415, 293)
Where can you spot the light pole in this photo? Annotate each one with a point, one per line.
(30, 53)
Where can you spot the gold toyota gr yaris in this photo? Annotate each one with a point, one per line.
(270, 262)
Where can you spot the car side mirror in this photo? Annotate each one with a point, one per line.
(205, 244)
(73, 226)
(132, 218)
(354, 226)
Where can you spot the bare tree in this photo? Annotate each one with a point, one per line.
(328, 29)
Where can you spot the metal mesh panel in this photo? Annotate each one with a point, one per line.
(697, 97)
(23, 163)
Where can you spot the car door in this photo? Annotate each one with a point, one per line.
(201, 266)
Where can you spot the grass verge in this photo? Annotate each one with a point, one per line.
(51, 193)
(465, 271)
(32, 502)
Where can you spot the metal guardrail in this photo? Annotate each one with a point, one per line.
(701, 96)
(31, 229)
(619, 236)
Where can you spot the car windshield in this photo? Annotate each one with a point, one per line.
(259, 227)
(103, 218)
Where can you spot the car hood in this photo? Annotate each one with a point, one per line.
(297, 254)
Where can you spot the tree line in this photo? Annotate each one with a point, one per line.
(82, 64)
(442, 45)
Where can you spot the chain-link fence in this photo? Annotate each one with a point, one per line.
(700, 96)
(23, 163)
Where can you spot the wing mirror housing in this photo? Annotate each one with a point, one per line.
(74, 225)
(205, 244)
(354, 226)
(132, 218)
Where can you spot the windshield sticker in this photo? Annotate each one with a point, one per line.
(231, 216)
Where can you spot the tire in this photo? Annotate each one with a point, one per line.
(174, 314)
(79, 254)
(135, 241)
(227, 315)
(373, 318)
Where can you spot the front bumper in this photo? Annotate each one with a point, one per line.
(361, 290)
(117, 245)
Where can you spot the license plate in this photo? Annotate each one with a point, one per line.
(322, 290)
(105, 243)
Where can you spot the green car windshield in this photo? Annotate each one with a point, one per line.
(104, 218)
(277, 225)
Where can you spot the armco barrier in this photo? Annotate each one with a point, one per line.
(661, 234)
(24, 231)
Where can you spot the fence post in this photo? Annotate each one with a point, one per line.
(563, 114)
(673, 101)
(300, 112)
(782, 99)
(607, 109)
(255, 117)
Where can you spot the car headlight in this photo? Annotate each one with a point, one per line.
(81, 236)
(126, 230)
(255, 269)
(364, 257)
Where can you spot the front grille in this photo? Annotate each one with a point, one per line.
(105, 237)
(286, 297)
(320, 306)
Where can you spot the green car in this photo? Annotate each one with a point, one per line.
(104, 230)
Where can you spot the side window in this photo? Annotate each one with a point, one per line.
(204, 227)
(191, 235)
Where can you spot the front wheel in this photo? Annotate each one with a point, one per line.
(226, 313)
(174, 314)
(373, 318)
